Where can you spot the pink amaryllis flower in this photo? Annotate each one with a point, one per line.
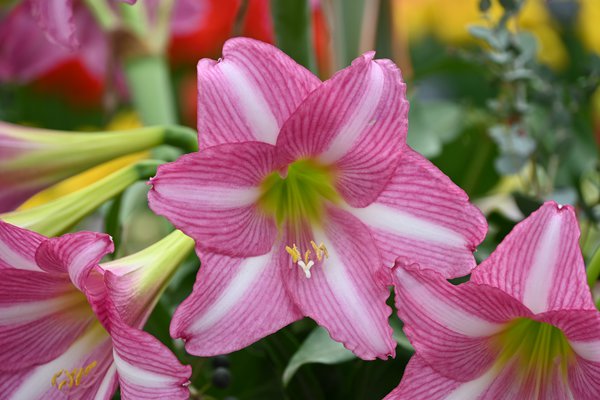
(64, 335)
(523, 327)
(302, 196)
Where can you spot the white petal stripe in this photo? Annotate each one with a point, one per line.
(21, 313)
(445, 313)
(141, 377)
(254, 106)
(473, 389)
(348, 134)
(587, 350)
(405, 225)
(250, 271)
(540, 277)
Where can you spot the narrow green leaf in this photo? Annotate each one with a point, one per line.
(112, 222)
(293, 30)
(317, 348)
(593, 269)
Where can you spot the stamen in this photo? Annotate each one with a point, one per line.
(307, 263)
(71, 378)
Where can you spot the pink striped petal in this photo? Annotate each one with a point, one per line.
(356, 122)
(92, 348)
(74, 254)
(235, 302)
(421, 382)
(345, 293)
(448, 325)
(582, 329)
(145, 367)
(55, 18)
(18, 247)
(249, 93)
(211, 196)
(540, 263)
(425, 218)
(38, 311)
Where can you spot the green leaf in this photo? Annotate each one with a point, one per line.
(112, 222)
(593, 269)
(293, 30)
(432, 124)
(317, 348)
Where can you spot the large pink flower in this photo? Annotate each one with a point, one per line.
(63, 334)
(300, 199)
(523, 327)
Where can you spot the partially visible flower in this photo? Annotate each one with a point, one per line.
(77, 67)
(523, 327)
(57, 216)
(62, 331)
(32, 159)
(301, 198)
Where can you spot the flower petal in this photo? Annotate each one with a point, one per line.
(74, 254)
(540, 263)
(38, 311)
(146, 368)
(582, 329)
(235, 302)
(356, 122)
(448, 325)
(249, 93)
(92, 350)
(424, 217)
(55, 18)
(211, 196)
(345, 293)
(421, 382)
(18, 247)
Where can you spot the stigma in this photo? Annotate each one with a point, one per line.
(306, 262)
(65, 379)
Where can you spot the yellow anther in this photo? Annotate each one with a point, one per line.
(90, 367)
(293, 251)
(306, 255)
(320, 250)
(55, 376)
(72, 378)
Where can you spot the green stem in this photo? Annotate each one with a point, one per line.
(103, 14)
(593, 269)
(150, 86)
(57, 216)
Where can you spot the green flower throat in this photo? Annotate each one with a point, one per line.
(300, 196)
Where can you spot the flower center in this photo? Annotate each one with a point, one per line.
(300, 195)
(67, 379)
(539, 351)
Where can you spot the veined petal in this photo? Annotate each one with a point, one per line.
(235, 302)
(38, 311)
(91, 352)
(249, 93)
(346, 293)
(18, 247)
(540, 263)
(55, 18)
(74, 254)
(582, 330)
(448, 325)
(357, 123)
(422, 382)
(422, 216)
(145, 367)
(211, 196)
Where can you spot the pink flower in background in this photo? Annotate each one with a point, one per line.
(523, 327)
(62, 334)
(302, 196)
